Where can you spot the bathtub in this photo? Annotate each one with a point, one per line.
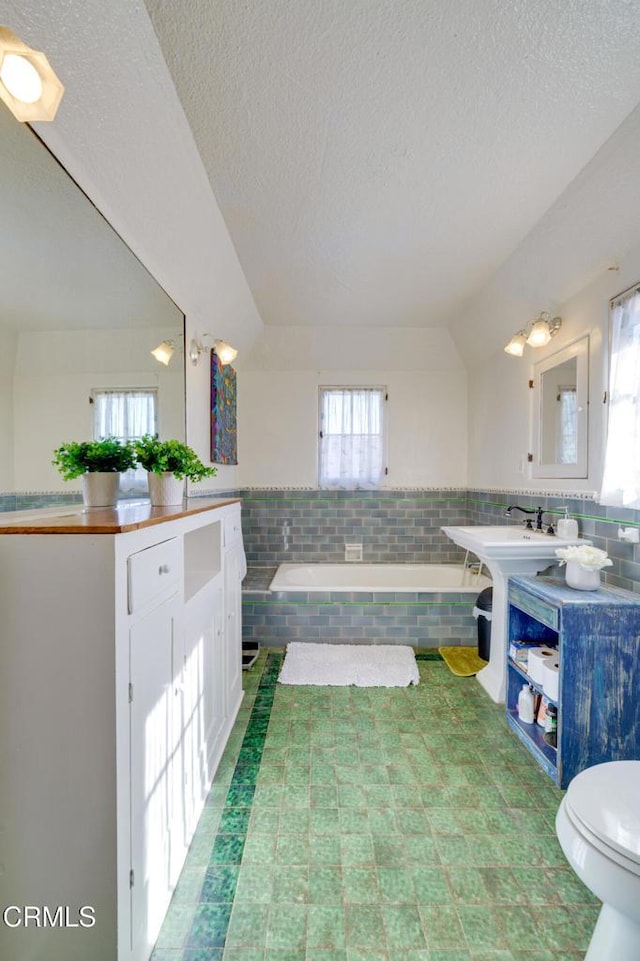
(371, 578)
(422, 605)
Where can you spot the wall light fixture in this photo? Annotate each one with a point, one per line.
(225, 351)
(164, 351)
(28, 84)
(536, 334)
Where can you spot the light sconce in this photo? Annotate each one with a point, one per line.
(28, 84)
(536, 334)
(164, 351)
(225, 351)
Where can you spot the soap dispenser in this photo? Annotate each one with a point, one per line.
(567, 527)
(525, 705)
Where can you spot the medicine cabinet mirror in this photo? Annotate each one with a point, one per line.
(560, 412)
(78, 312)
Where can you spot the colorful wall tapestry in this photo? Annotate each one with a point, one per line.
(224, 432)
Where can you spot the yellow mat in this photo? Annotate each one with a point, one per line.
(463, 661)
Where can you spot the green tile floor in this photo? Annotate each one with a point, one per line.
(349, 824)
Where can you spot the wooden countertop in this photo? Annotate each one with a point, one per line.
(103, 520)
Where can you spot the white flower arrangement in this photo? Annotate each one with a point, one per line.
(591, 558)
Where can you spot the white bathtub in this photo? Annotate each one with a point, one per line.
(413, 578)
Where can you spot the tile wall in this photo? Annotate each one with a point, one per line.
(394, 527)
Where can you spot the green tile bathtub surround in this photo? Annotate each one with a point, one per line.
(374, 825)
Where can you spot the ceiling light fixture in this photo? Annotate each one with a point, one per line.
(28, 84)
(536, 334)
(225, 351)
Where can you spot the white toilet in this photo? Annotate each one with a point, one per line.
(598, 826)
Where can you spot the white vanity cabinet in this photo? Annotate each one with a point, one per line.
(118, 690)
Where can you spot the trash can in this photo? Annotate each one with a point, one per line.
(482, 613)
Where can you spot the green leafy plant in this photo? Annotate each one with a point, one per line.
(89, 457)
(172, 456)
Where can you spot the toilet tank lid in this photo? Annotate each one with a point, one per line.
(606, 798)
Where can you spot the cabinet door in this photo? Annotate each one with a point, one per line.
(203, 697)
(233, 625)
(153, 772)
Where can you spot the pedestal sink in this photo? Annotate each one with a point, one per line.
(505, 551)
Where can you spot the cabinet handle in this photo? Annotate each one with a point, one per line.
(164, 569)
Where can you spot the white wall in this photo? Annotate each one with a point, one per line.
(7, 361)
(278, 406)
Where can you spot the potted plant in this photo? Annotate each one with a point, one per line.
(99, 464)
(168, 462)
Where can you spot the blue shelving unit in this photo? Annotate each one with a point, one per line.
(597, 634)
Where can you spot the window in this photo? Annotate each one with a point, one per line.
(352, 437)
(127, 415)
(621, 480)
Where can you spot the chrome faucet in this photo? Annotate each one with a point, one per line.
(538, 511)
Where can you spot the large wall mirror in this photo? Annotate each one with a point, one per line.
(79, 313)
(560, 412)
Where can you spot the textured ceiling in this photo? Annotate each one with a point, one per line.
(376, 161)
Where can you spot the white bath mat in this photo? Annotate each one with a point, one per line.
(339, 665)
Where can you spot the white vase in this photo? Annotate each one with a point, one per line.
(100, 489)
(582, 578)
(165, 490)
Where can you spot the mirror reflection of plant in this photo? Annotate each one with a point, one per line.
(170, 456)
(108, 455)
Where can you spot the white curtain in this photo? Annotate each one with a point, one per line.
(125, 414)
(351, 437)
(621, 480)
(568, 426)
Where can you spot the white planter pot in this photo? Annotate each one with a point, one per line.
(100, 489)
(165, 490)
(581, 578)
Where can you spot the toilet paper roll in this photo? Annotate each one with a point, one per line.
(550, 675)
(535, 661)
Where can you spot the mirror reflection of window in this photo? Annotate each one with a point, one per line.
(127, 415)
(560, 414)
(567, 425)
